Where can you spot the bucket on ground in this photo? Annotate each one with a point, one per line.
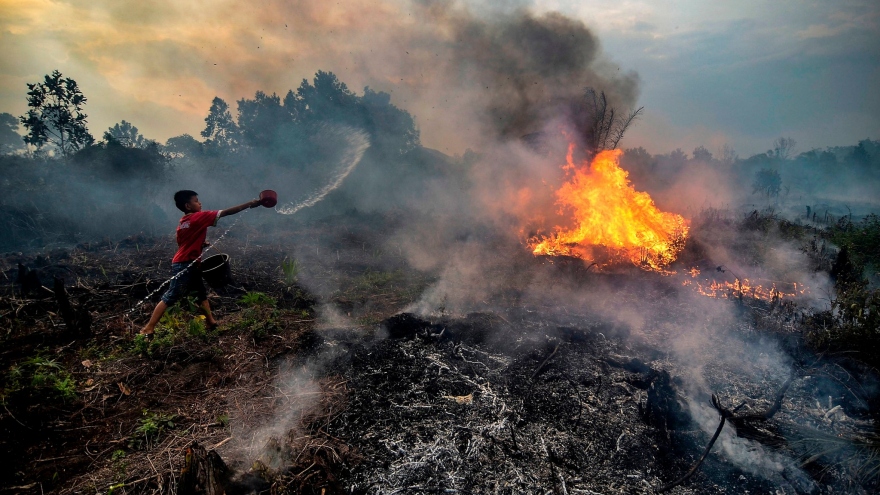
(216, 271)
(268, 198)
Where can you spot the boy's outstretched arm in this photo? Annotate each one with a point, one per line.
(235, 209)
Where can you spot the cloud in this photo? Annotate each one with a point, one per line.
(440, 60)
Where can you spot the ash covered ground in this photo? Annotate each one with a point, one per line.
(363, 374)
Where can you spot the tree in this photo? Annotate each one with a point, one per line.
(768, 182)
(606, 126)
(126, 135)
(860, 155)
(782, 148)
(260, 119)
(182, 146)
(392, 130)
(10, 139)
(55, 116)
(701, 154)
(727, 156)
(329, 99)
(221, 132)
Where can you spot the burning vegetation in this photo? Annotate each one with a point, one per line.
(612, 222)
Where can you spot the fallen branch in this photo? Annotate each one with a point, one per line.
(725, 415)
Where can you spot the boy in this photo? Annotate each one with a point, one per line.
(191, 232)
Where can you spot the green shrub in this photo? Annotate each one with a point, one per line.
(150, 429)
(861, 238)
(852, 325)
(254, 299)
(197, 328)
(39, 375)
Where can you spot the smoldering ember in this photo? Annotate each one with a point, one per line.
(552, 312)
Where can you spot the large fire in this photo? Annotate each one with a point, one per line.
(612, 221)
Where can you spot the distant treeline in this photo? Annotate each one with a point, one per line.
(66, 186)
(844, 173)
(62, 185)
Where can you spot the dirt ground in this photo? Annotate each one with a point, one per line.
(320, 381)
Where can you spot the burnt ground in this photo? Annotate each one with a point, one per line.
(339, 389)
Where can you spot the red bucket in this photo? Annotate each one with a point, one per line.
(268, 198)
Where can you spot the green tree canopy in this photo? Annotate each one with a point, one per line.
(126, 135)
(56, 115)
(182, 146)
(221, 132)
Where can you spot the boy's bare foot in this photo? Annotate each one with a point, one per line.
(212, 325)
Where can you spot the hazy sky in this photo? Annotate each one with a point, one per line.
(742, 73)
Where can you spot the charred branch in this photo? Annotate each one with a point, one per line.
(724, 415)
(78, 320)
(606, 126)
(204, 472)
(729, 414)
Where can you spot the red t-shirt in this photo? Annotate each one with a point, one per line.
(191, 232)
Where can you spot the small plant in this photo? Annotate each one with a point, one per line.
(120, 465)
(223, 419)
(196, 327)
(40, 375)
(254, 299)
(152, 426)
(290, 268)
(172, 320)
(163, 338)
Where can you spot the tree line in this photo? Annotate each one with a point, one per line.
(73, 171)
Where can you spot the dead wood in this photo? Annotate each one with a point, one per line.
(78, 320)
(30, 283)
(204, 472)
(727, 414)
(724, 415)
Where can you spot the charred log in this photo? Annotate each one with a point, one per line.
(204, 472)
(30, 283)
(78, 320)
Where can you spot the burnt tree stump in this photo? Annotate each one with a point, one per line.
(30, 283)
(78, 320)
(204, 472)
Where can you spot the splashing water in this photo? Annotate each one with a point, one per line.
(356, 143)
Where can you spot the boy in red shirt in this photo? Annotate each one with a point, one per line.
(187, 273)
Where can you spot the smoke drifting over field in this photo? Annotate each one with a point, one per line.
(484, 79)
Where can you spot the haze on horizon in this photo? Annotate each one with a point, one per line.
(707, 75)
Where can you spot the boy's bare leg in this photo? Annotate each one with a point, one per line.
(206, 310)
(154, 318)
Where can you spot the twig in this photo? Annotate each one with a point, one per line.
(545, 362)
(724, 414)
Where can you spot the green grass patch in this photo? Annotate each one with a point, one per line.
(290, 268)
(40, 377)
(255, 299)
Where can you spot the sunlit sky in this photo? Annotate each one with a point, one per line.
(711, 73)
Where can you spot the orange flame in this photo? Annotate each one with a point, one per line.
(611, 218)
(745, 288)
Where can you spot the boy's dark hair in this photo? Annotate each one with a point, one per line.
(181, 198)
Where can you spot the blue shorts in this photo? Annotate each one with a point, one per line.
(188, 280)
